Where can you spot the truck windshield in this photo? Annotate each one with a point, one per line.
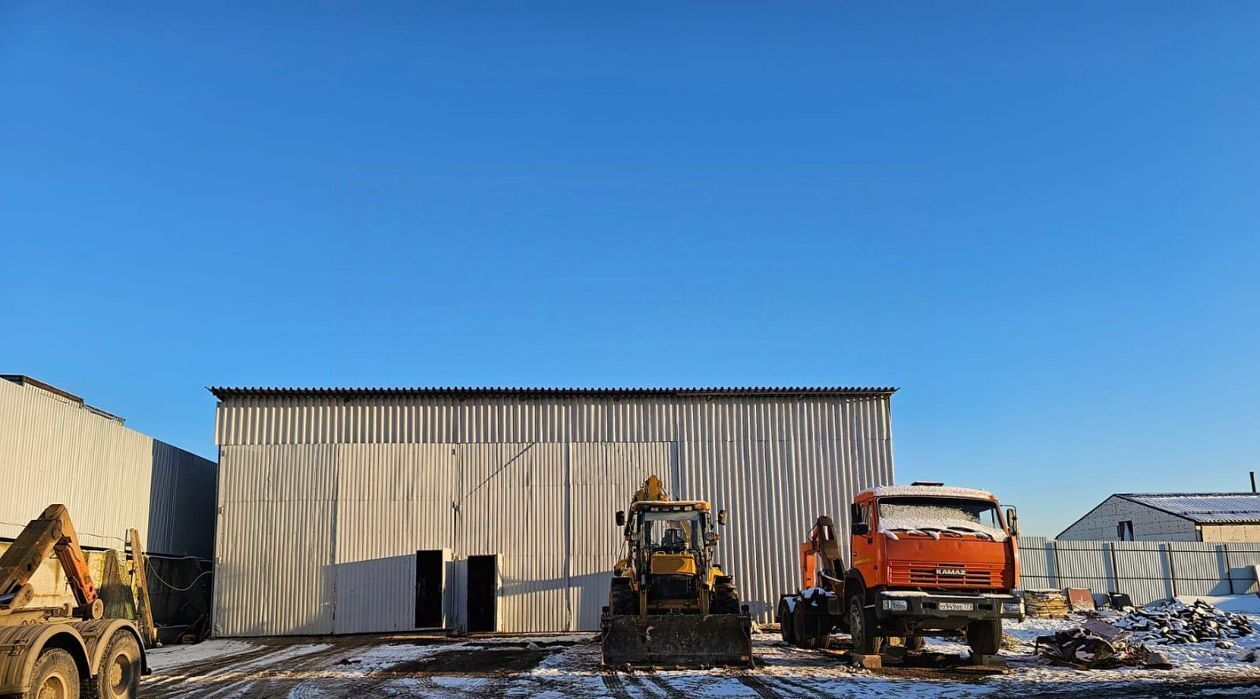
(941, 515)
(672, 531)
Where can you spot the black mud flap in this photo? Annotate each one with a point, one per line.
(688, 640)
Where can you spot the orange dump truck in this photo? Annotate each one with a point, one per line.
(924, 557)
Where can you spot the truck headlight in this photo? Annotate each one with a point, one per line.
(1012, 607)
(896, 605)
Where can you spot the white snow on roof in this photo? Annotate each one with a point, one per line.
(1203, 507)
(940, 491)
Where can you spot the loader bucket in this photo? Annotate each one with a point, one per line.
(688, 640)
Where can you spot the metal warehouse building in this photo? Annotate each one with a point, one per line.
(367, 510)
(54, 448)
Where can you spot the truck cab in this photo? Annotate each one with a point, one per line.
(923, 557)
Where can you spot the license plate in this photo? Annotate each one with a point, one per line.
(956, 606)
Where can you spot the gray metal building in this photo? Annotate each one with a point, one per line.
(370, 510)
(1207, 517)
(54, 448)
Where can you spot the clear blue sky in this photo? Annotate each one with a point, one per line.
(1041, 221)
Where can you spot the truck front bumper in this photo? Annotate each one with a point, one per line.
(949, 606)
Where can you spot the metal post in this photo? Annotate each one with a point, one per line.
(1172, 569)
(1253, 481)
(1058, 574)
(1229, 569)
(1115, 569)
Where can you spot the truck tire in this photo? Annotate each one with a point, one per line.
(984, 637)
(725, 598)
(914, 643)
(55, 676)
(803, 627)
(787, 629)
(119, 674)
(863, 627)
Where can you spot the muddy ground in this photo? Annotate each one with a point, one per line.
(414, 665)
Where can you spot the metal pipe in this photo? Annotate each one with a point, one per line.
(1253, 481)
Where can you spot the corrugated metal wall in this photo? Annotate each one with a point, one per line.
(533, 481)
(1146, 571)
(110, 477)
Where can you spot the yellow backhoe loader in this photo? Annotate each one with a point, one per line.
(669, 602)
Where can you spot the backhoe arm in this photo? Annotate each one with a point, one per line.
(51, 532)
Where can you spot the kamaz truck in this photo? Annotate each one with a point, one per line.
(923, 557)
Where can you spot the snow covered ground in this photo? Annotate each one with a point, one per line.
(568, 666)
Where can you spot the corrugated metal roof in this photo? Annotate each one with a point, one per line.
(223, 392)
(1205, 508)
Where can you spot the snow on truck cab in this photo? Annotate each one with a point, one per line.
(923, 557)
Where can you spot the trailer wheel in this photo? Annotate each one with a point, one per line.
(119, 675)
(915, 642)
(866, 640)
(55, 676)
(984, 637)
(787, 630)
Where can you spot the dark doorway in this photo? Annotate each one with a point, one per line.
(429, 568)
(482, 581)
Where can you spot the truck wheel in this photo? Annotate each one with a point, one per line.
(55, 676)
(119, 675)
(866, 640)
(803, 627)
(787, 631)
(984, 637)
(914, 643)
(822, 632)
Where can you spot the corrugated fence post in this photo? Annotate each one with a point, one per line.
(1229, 569)
(1172, 569)
(1115, 569)
(1058, 577)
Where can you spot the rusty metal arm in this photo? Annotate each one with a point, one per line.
(51, 533)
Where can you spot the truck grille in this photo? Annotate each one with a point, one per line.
(975, 575)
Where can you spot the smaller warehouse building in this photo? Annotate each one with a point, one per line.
(1207, 517)
(56, 448)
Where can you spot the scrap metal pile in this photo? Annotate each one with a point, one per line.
(1172, 622)
(1123, 639)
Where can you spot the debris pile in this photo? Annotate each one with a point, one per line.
(1124, 638)
(1172, 622)
(1098, 645)
(1046, 604)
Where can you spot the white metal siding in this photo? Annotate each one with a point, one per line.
(535, 482)
(110, 477)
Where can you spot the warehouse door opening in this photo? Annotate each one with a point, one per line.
(482, 581)
(430, 566)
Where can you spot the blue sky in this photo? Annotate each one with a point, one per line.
(1040, 221)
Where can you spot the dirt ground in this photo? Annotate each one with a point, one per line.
(412, 665)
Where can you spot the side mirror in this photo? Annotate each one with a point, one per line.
(861, 529)
(621, 518)
(1012, 521)
(722, 517)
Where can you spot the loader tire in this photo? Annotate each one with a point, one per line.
(984, 637)
(55, 676)
(787, 625)
(119, 675)
(725, 598)
(622, 599)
